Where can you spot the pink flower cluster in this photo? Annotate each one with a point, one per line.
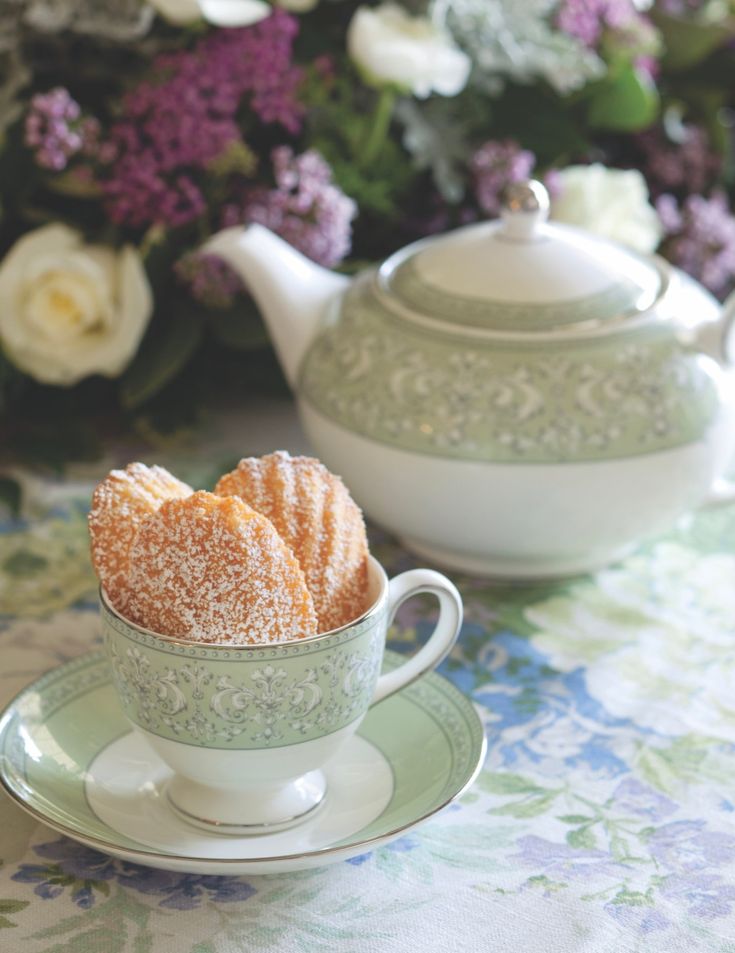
(306, 208)
(690, 164)
(188, 116)
(700, 238)
(494, 166)
(588, 19)
(56, 130)
(591, 21)
(209, 279)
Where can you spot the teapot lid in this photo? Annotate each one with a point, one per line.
(522, 274)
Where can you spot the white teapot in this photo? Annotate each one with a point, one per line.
(516, 398)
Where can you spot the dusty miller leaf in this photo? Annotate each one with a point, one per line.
(435, 141)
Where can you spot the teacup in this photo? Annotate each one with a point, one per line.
(246, 729)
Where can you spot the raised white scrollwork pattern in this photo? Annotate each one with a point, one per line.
(269, 704)
(499, 401)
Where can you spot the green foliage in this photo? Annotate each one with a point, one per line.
(583, 838)
(56, 424)
(23, 563)
(542, 121)
(18, 179)
(118, 923)
(528, 807)
(239, 327)
(10, 494)
(626, 101)
(681, 762)
(688, 41)
(165, 351)
(12, 386)
(534, 799)
(340, 121)
(10, 906)
(507, 784)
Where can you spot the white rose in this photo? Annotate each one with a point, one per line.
(68, 310)
(609, 202)
(216, 12)
(389, 46)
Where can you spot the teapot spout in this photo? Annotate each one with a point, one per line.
(291, 291)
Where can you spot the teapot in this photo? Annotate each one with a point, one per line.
(516, 398)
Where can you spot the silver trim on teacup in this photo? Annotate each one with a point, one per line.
(374, 610)
(213, 826)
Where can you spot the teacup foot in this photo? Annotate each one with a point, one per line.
(259, 809)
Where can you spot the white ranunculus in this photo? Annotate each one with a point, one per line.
(216, 12)
(68, 310)
(389, 46)
(609, 202)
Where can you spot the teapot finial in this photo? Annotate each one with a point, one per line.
(525, 207)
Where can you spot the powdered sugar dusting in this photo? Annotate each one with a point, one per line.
(119, 505)
(212, 569)
(314, 513)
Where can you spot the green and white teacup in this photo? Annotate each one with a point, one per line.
(246, 729)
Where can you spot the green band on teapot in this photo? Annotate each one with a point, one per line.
(505, 401)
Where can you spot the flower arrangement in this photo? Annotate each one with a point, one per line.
(132, 131)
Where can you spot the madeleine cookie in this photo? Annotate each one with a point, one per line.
(119, 504)
(317, 518)
(211, 569)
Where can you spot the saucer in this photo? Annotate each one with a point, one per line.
(69, 758)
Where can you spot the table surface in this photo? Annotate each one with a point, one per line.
(604, 817)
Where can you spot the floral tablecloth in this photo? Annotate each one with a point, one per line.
(604, 818)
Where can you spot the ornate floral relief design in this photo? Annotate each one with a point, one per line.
(272, 699)
(438, 394)
(270, 704)
(156, 694)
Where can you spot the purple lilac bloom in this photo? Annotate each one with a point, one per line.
(71, 865)
(638, 918)
(83, 869)
(209, 279)
(306, 208)
(188, 116)
(700, 238)
(587, 19)
(184, 891)
(689, 164)
(633, 797)
(564, 861)
(56, 130)
(590, 21)
(494, 166)
(705, 896)
(686, 847)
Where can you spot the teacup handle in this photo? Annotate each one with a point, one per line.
(443, 637)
